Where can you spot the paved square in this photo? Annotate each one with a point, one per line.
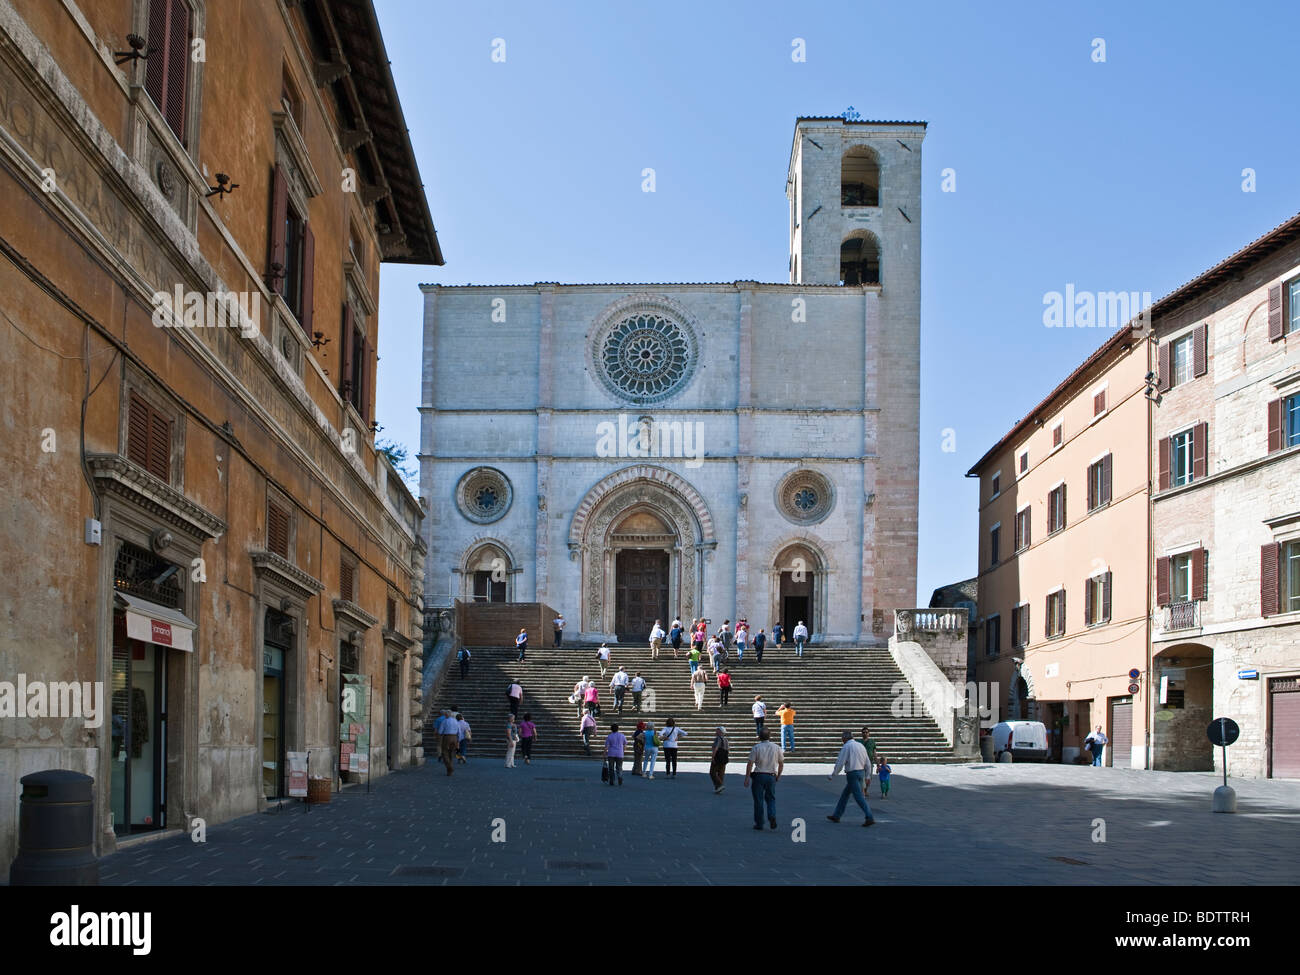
(953, 824)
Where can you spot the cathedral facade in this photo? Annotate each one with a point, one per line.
(626, 453)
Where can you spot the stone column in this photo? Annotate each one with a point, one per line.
(545, 440)
(870, 426)
(744, 450)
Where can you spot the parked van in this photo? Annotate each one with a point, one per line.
(1026, 740)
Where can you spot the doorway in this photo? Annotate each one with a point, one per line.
(641, 593)
(796, 602)
(277, 645)
(390, 717)
(137, 768)
(1121, 732)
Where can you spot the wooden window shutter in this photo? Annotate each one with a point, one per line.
(1105, 480)
(363, 398)
(1061, 611)
(1275, 425)
(1098, 403)
(345, 371)
(1092, 493)
(1269, 583)
(277, 530)
(345, 581)
(137, 431)
(1061, 503)
(1105, 598)
(1047, 618)
(1089, 606)
(308, 276)
(1165, 450)
(160, 446)
(1162, 366)
(1162, 581)
(1029, 527)
(1275, 313)
(1198, 574)
(279, 215)
(167, 68)
(1200, 449)
(1024, 625)
(1199, 357)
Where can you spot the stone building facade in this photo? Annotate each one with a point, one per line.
(199, 531)
(631, 452)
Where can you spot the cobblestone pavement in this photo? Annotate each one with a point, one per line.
(953, 824)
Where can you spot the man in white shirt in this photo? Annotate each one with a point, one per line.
(602, 655)
(657, 635)
(558, 623)
(759, 710)
(638, 686)
(580, 694)
(762, 772)
(800, 636)
(619, 686)
(853, 759)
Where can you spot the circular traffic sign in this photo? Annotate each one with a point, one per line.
(1133, 688)
(1223, 731)
(1134, 674)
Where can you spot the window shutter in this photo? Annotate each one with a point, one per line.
(1198, 574)
(160, 446)
(1092, 493)
(137, 431)
(177, 69)
(363, 398)
(1162, 581)
(1099, 403)
(1269, 584)
(345, 374)
(1199, 342)
(1047, 619)
(1162, 367)
(1024, 625)
(1275, 425)
(279, 214)
(1029, 527)
(1275, 313)
(277, 530)
(1061, 611)
(1089, 606)
(308, 276)
(1061, 504)
(1165, 449)
(345, 582)
(1105, 480)
(1200, 449)
(1105, 598)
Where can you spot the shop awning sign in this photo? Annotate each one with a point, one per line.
(155, 623)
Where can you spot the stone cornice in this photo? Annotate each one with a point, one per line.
(115, 473)
(353, 615)
(286, 573)
(396, 639)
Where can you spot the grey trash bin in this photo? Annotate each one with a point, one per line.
(986, 748)
(56, 830)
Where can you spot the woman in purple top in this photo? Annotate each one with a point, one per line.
(527, 735)
(615, 743)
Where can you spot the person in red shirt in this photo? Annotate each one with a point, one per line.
(724, 686)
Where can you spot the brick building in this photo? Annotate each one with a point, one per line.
(630, 452)
(197, 201)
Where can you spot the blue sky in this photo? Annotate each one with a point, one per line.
(1123, 175)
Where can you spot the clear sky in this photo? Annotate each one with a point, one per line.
(1122, 175)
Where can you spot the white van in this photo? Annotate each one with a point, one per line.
(1026, 740)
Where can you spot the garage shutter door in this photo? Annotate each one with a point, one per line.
(1284, 750)
(1121, 734)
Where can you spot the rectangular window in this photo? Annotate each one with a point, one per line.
(1291, 577)
(488, 590)
(1182, 359)
(1096, 608)
(1024, 462)
(1020, 626)
(1023, 522)
(277, 530)
(1293, 306)
(1058, 436)
(347, 580)
(148, 437)
(992, 636)
(997, 484)
(1056, 510)
(293, 248)
(166, 77)
(1099, 483)
(1180, 577)
(1291, 418)
(994, 537)
(289, 99)
(1054, 625)
(391, 607)
(1180, 450)
(1099, 403)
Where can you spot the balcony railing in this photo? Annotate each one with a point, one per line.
(1184, 615)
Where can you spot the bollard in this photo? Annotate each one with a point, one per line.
(56, 831)
(986, 748)
(1005, 757)
(1225, 800)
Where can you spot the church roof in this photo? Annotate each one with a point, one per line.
(860, 121)
(645, 285)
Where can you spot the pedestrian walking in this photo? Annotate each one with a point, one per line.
(514, 696)
(448, 738)
(762, 772)
(602, 657)
(760, 641)
(724, 634)
(651, 744)
(588, 728)
(521, 643)
(512, 740)
(675, 636)
(527, 735)
(592, 697)
(558, 625)
(715, 653)
(724, 687)
(669, 741)
(579, 695)
(619, 686)
(693, 658)
(884, 772)
(657, 635)
(697, 686)
(638, 747)
(615, 742)
(800, 635)
(742, 639)
(786, 714)
(463, 738)
(718, 762)
(638, 688)
(1095, 742)
(759, 711)
(462, 657)
(698, 630)
(853, 760)
(778, 634)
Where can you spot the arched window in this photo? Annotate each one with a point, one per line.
(859, 178)
(860, 259)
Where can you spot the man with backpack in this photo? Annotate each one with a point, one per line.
(462, 655)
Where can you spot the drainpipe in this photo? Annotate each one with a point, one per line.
(1150, 543)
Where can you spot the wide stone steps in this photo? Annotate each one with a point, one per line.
(832, 690)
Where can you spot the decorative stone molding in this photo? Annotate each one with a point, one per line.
(352, 616)
(114, 473)
(484, 495)
(286, 573)
(395, 640)
(295, 154)
(805, 497)
(644, 348)
(673, 483)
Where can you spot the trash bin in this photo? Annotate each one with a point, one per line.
(986, 748)
(56, 831)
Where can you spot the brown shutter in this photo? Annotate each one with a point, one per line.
(177, 70)
(345, 582)
(1062, 514)
(345, 374)
(1269, 584)
(1047, 619)
(1275, 425)
(1105, 480)
(1275, 313)
(1061, 596)
(277, 530)
(160, 445)
(308, 277)
(363, 398)
(279, 215)
(1105, 598)
(1199, 341)
(156, 64)
(1165, 479)
(1088, 607)
(1162, 360)
(137, 431)
(1198, 574)
(1200, 450)
(1162, 581)
(1092, 494)
(1029, 527)
(1024, 625)
(1098, 403)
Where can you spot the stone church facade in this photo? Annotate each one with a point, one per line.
(625, 453)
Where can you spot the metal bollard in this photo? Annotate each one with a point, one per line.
(56, 831)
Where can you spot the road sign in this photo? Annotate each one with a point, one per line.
(1223, 731)
(1133, 688)
(1134, 674)
(1248, 675)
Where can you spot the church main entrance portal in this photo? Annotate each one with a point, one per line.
(641, 594)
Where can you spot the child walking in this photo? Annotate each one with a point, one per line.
(883, 772)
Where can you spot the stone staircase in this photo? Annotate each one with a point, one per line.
(831, 689)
